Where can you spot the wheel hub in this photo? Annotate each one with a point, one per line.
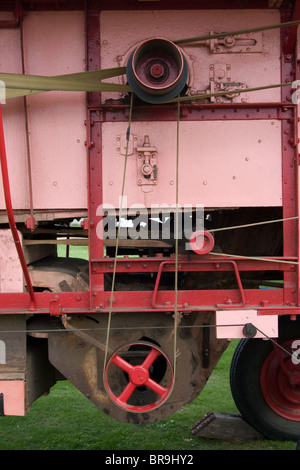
(157, 71)
(280, 384)
(139, 376)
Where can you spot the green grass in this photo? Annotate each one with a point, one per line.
(74, 251)
(66, 420)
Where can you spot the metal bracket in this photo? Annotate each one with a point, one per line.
(124, 147)
(54, 307)
(146, 163)
(220, 80)
(206, 347)
(146, 156)
(238, 44)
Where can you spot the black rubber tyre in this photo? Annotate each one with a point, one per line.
(247, 381)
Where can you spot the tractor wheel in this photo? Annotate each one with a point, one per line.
(265, 382)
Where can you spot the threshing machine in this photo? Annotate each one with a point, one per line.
(149, 212)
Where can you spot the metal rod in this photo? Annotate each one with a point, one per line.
(30, 223)
(10, 215)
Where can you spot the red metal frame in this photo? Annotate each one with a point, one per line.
(42, 5)
(94, 156)
(271, 301)
(17, 18)
(289, 166)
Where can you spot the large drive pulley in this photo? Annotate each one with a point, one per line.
(157, 70)
(136, 382)
(139, 377)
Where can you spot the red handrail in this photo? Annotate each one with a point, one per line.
(10, 215)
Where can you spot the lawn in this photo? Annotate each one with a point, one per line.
(67, 420)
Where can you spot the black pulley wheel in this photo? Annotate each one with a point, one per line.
(157, 70)
(265, 382)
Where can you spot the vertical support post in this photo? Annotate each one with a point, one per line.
(94, 153)
(289, 166)
(292, 37)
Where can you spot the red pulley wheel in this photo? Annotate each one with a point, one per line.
(132, 384)
(202, 242)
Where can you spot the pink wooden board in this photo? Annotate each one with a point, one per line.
(221, 164)
(54, 44)
(13, 397)
(11, 276)
(230, 323)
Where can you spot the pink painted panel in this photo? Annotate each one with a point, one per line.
(13, 119)
(54, 44)
(250, 68)
(14, 397)
(221, 164)
(229, 321)
(11, 275)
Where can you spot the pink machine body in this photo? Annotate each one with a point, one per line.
(111, 176)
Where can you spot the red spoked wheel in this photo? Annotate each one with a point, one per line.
(139, 377)
(280, 382)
